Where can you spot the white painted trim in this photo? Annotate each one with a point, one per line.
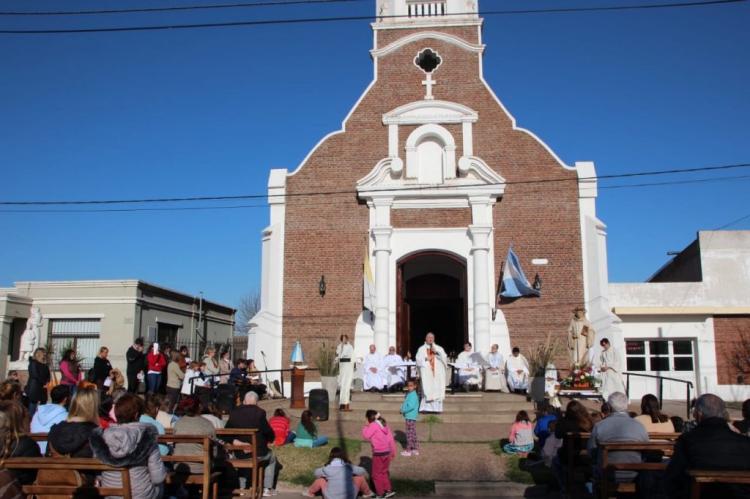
(88, 301)
(74, 316)
(681, 310)
(429, 24)
(447, 112)
(407, 204)
(427, 35)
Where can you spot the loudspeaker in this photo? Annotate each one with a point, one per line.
(226, 396)
(318, 404)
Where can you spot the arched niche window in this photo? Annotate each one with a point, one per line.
(430, 155)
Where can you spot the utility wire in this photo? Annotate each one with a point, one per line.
(263, 22)
(733, 222)
(348, 192)
(172, 9)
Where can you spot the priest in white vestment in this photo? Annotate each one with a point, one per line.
(469, 368)
(432, 363)
(494, 375)
(550, 385)
(517, 368)
(394, 370)
(373, 371)
(611, 370)
(345, 359)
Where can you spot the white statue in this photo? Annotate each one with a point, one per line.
(30, 337)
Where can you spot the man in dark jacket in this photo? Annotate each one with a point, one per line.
(136, 363)
(712, 445)
(250, 416)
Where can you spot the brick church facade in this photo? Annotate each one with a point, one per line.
(431, 179)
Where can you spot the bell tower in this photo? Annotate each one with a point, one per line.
(400, 13)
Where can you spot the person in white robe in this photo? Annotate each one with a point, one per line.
(469, 368)
(494, 374)
(611, 370)
(432, 363)
(394, 370)
(551, 384)
(345, 359)
(517, 368)
(374, 371)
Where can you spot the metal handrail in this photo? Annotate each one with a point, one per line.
(688, 386)
(266, 371)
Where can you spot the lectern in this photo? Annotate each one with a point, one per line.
(298, 388)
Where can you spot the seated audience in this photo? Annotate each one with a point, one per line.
(250, 416)
(339, 478)
(150, 411)
(71, 437)
(652, 418)
(521, 438)
(618, 427)
(711, 445)
(281, 428)
(164, 416)
(576, 420)
(11, 390)
(743, 426)
(547, 415)
(133, 445)
(106, 406)
(14, 439)
(191, 424)
(51, 413)
(307, 432)
(605, 410)
(678, 423)
(238, 374)
(213, 415)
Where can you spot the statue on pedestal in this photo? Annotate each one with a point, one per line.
(30, 337)
(580, 338)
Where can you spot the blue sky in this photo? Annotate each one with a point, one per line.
(209, 112)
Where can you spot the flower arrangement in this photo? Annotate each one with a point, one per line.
(581, 378)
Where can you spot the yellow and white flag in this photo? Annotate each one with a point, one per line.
(368, 293)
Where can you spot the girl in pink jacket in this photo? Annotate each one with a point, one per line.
(383, 452)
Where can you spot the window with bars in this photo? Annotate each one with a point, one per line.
(659, 355)
(82, 335)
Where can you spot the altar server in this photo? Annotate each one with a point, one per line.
(517, 368)
(611, 369)
(394, 370)
(469, 368)
(494, 375)
(374, 371)
(345, 358)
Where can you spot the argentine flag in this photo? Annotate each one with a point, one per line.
(515, 283)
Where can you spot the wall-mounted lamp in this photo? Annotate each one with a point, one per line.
(322, 286)
(537, 282)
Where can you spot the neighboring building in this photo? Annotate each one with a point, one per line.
(90, 314)
(691, 320)
(436, 182)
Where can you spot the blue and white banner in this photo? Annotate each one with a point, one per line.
(515, 283)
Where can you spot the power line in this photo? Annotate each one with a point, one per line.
(733, 222)
(341, 192)
(263, 22)
(172, 9)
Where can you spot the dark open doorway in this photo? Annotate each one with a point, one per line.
(431, 288)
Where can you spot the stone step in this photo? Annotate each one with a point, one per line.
(445, 417)
(486, 407)
(488, 489)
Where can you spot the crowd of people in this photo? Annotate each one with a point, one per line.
(710, 440)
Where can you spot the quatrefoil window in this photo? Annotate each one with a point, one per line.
(428, 60)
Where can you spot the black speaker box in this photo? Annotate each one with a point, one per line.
(318, 404)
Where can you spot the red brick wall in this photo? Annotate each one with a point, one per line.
(728, 333)
(437, 217)
(328, 235)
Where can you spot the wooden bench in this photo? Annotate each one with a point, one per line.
(608, 486)
(67, 464)
(574, 444)
(703, 477)
(208, 479)
(254, 486)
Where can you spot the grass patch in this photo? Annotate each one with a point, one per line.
(514, 471)
(299, 463)
(409, 487)
(517, 471)
(431, 419)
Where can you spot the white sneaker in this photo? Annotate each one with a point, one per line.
(267, 492)
(406, 453)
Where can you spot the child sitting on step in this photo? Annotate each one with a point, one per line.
(521, 436)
